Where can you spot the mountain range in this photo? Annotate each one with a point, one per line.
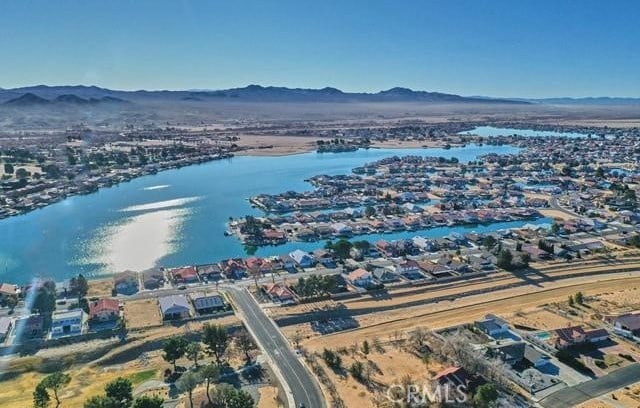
(41, 95)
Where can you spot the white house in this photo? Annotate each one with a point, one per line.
(492, 325)
(303, 259)
(174, 307)
(68, 322)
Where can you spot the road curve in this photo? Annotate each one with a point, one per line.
(299, 380)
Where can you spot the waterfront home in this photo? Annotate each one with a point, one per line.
(386, 248)
(627, 325)
(574, 336)
(325, 257)
(211, 272)
(208, 302)
(126, 283)
(258, 265)
(302, 259)
(517, 352)
(234, 268)
(424, 244)
(153, 278)
(28, 327)
(361, 278)
(185, 274)
(174, 307)
(6, 324)
(287, 262)
(68, 322)
(341, 229)
(278, 292)
(436, 270)
(274, 236)
(104, 310)
(384, 275)
(406, 266)
(7, 290)
(492, 325)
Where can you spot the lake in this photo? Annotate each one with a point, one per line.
(486, 131)
(177, 217)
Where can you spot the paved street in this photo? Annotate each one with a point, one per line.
(572, 396)
(299, 380)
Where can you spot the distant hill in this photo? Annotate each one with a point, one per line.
(603, 100)
(80, 94)
(27, 99)
(31, 99)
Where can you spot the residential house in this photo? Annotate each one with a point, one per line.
(278, 292)
(576, 335)
(234, 268)
(206, 303)
(258, 265)
(174, 307)
(153, 278)
(518, 352)
(211, 272)
(384, 275)
(28, 327)
(407, 266)
(454, 376)
(6, 324)
(287, 262)
(627, 325)
(68, 322)
(361, 278)
(341, 229)
(104, 310)
(324, 257)
(185, 274)
(126, 283)
(492, 325)
(303, 259)
(8, 289)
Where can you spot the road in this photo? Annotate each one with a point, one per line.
(573, 396)
(305, 391)
(553, 202)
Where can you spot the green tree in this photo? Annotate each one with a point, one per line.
(570, 301)
(357, 370)
(101, 401)
(505, 259)
(45, 299)
(226, 396)
(485, 395)
(369, 211)
(121, 391)
(8, 168)
(22, 173)
(489, 242)
(187, 383)
(56, 382)
(245, 343)
(216, 338)
(365, 348)
(79, 286)
(579, 298)
(148, 402)
(342, 248)
(193, 351)
(210, 374)
(174, 348)
(41, 397)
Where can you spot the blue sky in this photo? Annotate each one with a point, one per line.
(496, 48)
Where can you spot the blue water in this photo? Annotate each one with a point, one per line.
(487, 131)
(103, 233)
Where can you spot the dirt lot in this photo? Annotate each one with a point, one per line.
(387, 368)
(628, 397)
(100, 288)
(540, 319)
(269, 398)
(258, 145)
(467, 309)
(142, 313)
